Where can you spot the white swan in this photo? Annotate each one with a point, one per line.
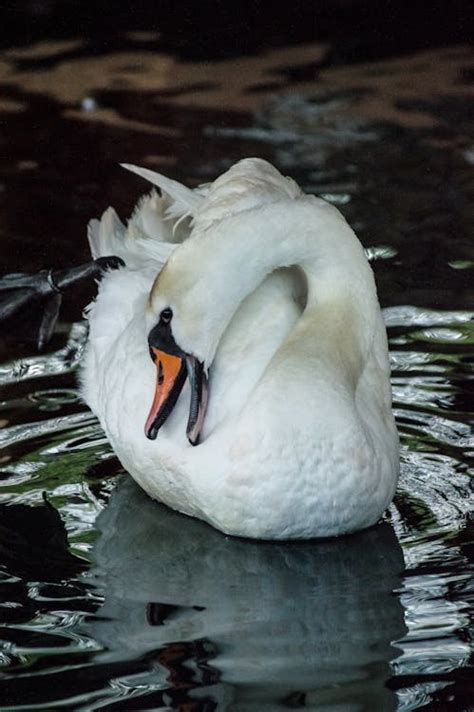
(269, 291)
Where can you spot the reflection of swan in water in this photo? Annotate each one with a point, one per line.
(310, 623)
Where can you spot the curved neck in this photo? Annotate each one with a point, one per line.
(243, 249)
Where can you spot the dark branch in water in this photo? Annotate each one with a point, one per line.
(44, 291)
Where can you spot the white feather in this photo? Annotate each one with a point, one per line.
(150, 236)
(188, 201)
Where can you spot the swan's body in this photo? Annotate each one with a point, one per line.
(299, 438)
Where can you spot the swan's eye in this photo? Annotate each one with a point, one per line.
(166, 315)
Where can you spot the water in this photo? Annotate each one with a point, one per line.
(111, 602)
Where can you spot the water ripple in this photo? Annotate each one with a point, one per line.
(63, 361)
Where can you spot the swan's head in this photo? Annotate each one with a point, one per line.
(206, 277)
(181, 331)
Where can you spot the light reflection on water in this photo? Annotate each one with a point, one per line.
(36, 366)
(171, 615)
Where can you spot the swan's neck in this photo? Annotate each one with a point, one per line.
(242, 250)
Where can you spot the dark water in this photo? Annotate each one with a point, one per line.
(111, 602)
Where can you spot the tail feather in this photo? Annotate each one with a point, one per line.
(106, 235)
(148, 238)
(186, 201)
(157, 224)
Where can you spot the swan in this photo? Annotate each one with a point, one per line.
(238, 363)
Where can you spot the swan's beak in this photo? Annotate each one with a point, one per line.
(199, 397)
(171, 376)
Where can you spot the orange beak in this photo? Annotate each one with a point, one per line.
(171, 375)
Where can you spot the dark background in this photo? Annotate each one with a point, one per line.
(196, 30)
(44, 209)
